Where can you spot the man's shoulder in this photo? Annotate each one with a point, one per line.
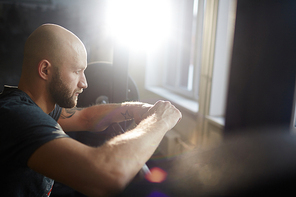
(12, 96)
(17, 105)
(9, 89)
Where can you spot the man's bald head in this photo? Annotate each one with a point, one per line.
(53, 43)
(54, 64)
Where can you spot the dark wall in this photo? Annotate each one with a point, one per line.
(262, 75)
(18, 20)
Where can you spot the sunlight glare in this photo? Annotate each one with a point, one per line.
(139, 24)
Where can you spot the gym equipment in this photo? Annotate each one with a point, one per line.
(100, 85)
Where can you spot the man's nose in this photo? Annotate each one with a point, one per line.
(83, 83)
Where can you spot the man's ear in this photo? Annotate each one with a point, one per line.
(44, 69)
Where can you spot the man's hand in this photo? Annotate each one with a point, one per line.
(164, 112)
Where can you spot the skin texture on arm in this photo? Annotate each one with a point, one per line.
(99, 117)
(108, 168)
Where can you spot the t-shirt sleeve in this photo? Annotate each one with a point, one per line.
(28, 128)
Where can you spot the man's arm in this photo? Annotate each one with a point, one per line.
(99, 117)
(109, 168)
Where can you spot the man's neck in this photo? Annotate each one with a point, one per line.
(39, 97)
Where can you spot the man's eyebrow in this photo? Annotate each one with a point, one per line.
(79, 67)
(82, 67)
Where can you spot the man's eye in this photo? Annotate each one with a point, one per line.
(77, 72)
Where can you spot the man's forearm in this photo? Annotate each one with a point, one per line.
(99, 117)
(128, 152)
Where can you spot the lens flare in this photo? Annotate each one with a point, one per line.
(157, 194)
(139, 24)
(156, 175)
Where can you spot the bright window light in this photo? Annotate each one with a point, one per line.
(139, 24)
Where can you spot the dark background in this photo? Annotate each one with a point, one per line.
(18, 19)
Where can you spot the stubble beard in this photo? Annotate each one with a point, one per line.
(60, 93)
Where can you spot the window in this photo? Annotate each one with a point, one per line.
(182, 57)
(172, 71)
(193, 67)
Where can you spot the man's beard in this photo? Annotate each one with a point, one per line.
(60, 93)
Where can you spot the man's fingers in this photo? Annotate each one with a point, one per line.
(164, 110)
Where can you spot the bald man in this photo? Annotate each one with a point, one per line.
(35, 150)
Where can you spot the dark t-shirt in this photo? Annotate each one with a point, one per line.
(24, 128)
